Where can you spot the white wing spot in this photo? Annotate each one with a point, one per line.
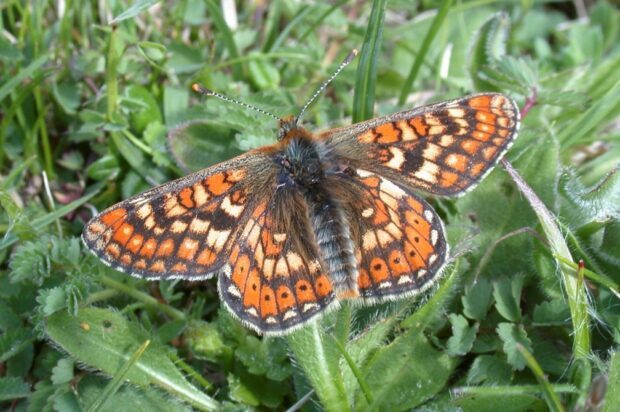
(234, 291)
(279, 237)
(310, 306)
(429, 216)
(432, 259)
(434, 237)
(289, 314)
(252, 311)
(384, 285)
(397, 160)
(404, 279)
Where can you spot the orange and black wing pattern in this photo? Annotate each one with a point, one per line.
(273, 280)
(182, 229)
(444, 149)
(400, 239)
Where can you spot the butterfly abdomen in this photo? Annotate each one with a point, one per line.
(334, 242)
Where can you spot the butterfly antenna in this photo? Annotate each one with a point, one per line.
(316, 94)
(204, 91)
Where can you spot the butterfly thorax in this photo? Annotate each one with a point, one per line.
(305, 166)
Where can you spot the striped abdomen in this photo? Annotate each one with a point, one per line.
(333, 238)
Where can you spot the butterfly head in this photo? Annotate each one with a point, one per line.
(299, 161)
(287, 124)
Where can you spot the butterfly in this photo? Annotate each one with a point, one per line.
(296, 227)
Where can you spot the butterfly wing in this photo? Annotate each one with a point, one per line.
(444, 149)
(400, 240)
(183, 228)
(273, 280)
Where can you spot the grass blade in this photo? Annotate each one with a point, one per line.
(113, 386)
(552, 398)
(426, 44)
(364, 98)
(576, 295)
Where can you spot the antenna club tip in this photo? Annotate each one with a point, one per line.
(201, 89)
(351, 56)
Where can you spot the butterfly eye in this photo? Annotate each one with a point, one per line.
(284, 162)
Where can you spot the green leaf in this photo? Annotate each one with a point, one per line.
(8, 317)
(104, 168)
(319, 358)
(263, 74)
(500, 402)
(519, 74)
(13, 387)
(153, 52)
(206, 342)
(192, 151)
(72, 160)
(264, 357)
(67, 95)
(612, 397)
(597, 203)
(489, 370)
(143, 108)
(133, 11)
(553, 312)
(40, 400)
(477, 299)
(176, 102)
(66, 401)
(8, 51)
(507, 294)
(105, 340)
(405, 373)
(13, 341)
(27, 72)
(240, 393)
(361, 347)
(463, 335)
(512, 335)
(62, 372)
(488, 47)
(255, 391)
(128, 397)
(52, 300)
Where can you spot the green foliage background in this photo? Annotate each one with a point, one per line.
(96, 105)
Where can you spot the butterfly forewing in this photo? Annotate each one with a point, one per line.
(182, 229)
(443, 149)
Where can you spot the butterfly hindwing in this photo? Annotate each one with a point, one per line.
(181, 229)
(443, 149)
(273, 280)
(400, 238)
